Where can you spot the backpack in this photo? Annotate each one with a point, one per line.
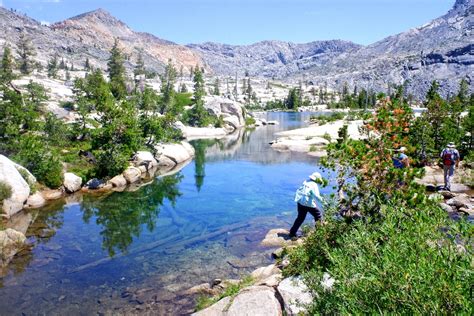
(448, 157)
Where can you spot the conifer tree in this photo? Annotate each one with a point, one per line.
(216, 90)
(53, 67)
(168, 80)
(6, 70)
(116, 71)
(87, 65)
(140, 66)
(26, 52)
(198, 115)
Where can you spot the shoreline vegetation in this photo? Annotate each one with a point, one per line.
(382, 234)
(385, 244)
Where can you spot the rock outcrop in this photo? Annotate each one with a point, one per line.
(19, 188)
(170, 155)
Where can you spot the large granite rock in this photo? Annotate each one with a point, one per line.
(20, 190)
(264, 272)
(35, 200)
(118, 181)
(230, 110)
(132, 174)
(251, 301)
(11, 241)
(173, 153)
(295, 295)
(255, 300)
(72, 183)
(144, 158)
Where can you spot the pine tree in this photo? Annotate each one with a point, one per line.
(6, 70)
(53, 67)
(198, 115)
(191, 72)
(62, 64)
(139, 67)
(216, 90)
(87, 65)
(168, 80)
(249, 91)
(116, 71)
(26, 52)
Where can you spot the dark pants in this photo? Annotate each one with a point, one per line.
(302, 211)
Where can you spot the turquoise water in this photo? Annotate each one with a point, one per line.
(137, 252)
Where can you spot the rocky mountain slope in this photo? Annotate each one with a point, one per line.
(91, 35)
(270, 58)
(442, 49)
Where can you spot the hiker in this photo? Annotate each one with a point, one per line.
(400, 160)
(450, 157)
(308, 201)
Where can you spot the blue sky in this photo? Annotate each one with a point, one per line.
(249, 21)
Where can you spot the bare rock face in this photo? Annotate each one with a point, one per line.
(91, 35)
(295, 295)
(72, 183)
(230, 111)
(11, 241)
(11, 177)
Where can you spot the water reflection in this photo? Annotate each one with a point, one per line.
(122, 215)
(167, 236)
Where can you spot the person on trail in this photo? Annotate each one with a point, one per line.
(308, 200)
(450, 157)
(400, 159)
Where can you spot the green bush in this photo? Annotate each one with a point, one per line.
(390, 249)
(405, 264)
(324, 119)
(5, 191)
(35, 156)
(249, 121)
(24, 174)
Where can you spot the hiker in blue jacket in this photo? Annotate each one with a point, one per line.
(308, 200)
(450, 157)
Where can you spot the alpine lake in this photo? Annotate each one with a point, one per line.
(137, 251)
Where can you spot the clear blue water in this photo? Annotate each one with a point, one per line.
(136, 252)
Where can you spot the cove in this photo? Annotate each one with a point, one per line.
(132, 252)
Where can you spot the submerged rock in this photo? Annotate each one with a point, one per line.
(11, 242)
(20, 190)
(278, 238)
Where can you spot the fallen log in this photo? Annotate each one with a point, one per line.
(156, 244)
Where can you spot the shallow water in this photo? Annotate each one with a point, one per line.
(133, 252)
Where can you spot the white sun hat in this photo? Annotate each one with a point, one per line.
(315, 176)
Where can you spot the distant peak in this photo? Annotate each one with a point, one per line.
(98, 13)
